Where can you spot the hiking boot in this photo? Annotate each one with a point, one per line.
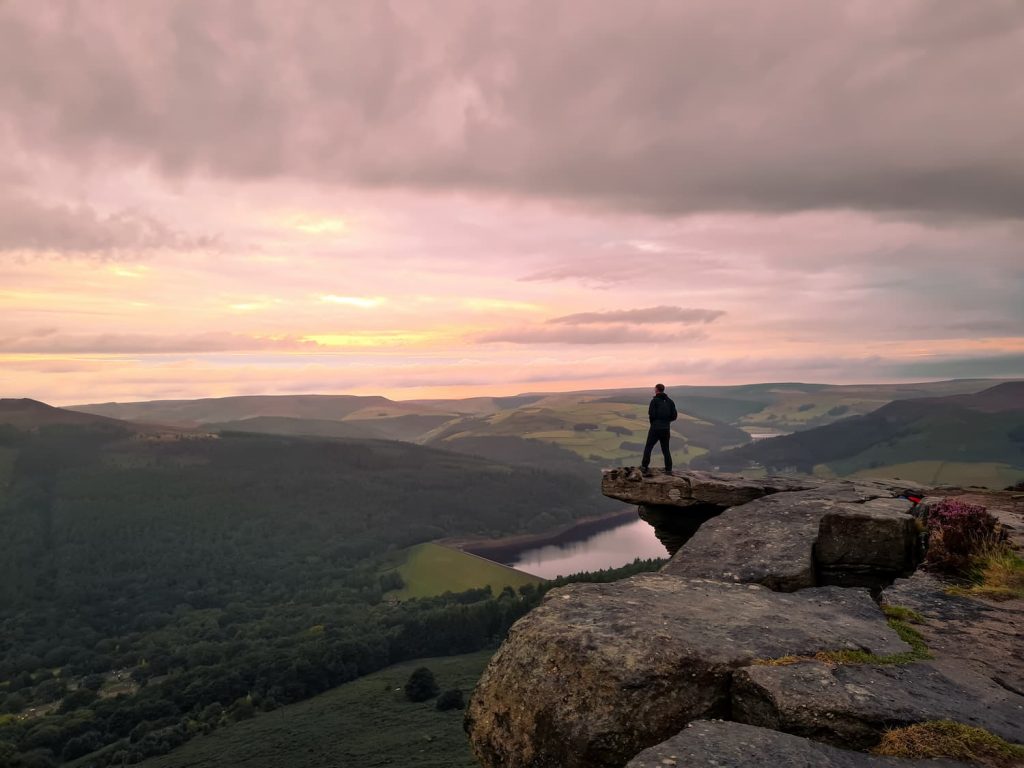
(645, 471)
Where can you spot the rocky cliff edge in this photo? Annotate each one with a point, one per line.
(763, 641)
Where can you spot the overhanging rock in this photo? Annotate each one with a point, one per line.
(693, 488)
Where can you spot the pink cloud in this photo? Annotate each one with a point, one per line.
(54, 343)
(820, 199)
(608, 334)
(647, 316)
(32, 227)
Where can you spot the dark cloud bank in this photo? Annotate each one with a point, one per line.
(663, 107)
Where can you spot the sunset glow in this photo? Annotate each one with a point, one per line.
(499, 227)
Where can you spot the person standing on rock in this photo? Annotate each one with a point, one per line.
(661, 412)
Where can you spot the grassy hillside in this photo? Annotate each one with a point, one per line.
(407, 428)
(209, 569)
(213, 409)
(961, 473)
(597, 430)
(28, 414)
(601, 427)
(960, 439)
(792, 406)
(431, 569)
(363, 723)
(93, 507)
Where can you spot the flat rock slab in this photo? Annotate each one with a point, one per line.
(852, 706)
(733, 745)
(693, 488)
(970, 638)
(851, 534)
(600, 671)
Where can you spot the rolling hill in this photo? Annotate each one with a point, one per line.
(794, 406)
(215, 409)
(149, 574)
(600, 431)
(406, 428)
(964, 438)
(28, 414)
(600, 427)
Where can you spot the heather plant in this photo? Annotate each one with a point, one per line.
(958, 532)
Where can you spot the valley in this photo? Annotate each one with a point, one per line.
(216, 561)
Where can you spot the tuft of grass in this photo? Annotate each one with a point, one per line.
(996, 574)
(918, 648)
(782, 661)
(849, 657)
(897, 618)
(945, 738)
(902, 613)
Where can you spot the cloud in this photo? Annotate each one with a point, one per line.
(30, 226)
(609, 334)
(649, 316)
(49, 341)
(668, 108)
(623, 326)
(617, 266)
(955, 367)
(362, 302)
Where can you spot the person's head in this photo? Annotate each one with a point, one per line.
(659, 388)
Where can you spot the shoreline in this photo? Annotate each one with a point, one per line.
(499, 550)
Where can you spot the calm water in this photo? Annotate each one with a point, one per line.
(607, 549)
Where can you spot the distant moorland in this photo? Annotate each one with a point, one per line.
(594, 427)
(959, 439)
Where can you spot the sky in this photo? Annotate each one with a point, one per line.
(448, 198)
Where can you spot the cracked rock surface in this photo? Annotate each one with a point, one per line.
(733, 745)
(853, 705)
(600, 671)
(845, 533)
(692, 488)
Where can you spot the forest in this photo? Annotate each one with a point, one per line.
(154, 587)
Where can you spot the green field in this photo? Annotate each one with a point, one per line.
(367, 722)
(431, 569)
(793, 407)
(554, 419)
(606, 432)
(963, 473)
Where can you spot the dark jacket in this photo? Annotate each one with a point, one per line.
(662, 411)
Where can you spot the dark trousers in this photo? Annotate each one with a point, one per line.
(657, 436)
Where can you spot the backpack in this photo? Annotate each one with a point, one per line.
(665, 409)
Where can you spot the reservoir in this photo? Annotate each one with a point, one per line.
(593, 551)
